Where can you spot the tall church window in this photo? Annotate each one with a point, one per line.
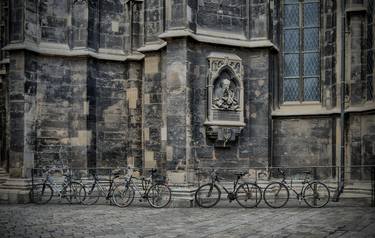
(301, 54)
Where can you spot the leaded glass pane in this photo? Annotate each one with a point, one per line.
(311, 14)
(311, 39)
(370, 88)
(291, 16)
(291, 40)
(311, 89)
(291, 1)
(291, 65)
(291, 89)
(370, 61)
(311, 64)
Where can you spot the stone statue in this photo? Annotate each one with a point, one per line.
(228, 99)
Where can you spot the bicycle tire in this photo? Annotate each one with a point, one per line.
(156, 189)
(74, 192)
(313, 187)
(202, 190)
(119, 191)
(269, 193)
(45, 191)
(92, 195)
(248, 190)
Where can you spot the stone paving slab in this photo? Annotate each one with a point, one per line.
(62, 220)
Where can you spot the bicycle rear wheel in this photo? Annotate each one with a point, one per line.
(316, 194)
(41, 193)
(159, 195)
(92, 195)
(207, 195)
(74, 192)
(123, 195)
(248, 195)
(276, 195)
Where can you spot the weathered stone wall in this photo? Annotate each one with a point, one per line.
(251, 148)
(154, 20)
(222, 16)
(62, 109)
(113, 24)
(154, 125)
(54, 20)
(361, 145)
(304, 142)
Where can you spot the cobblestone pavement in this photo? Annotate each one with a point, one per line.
(59, 220)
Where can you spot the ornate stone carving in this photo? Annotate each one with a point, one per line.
(225, 98)
(225, 95)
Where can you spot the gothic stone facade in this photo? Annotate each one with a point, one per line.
(183, 84)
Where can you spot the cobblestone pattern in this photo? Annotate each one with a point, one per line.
(106, 221)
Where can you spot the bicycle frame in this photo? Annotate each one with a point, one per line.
(55, 186)
(103, 189)
(216, 180)
(129, 182)
(299, 194)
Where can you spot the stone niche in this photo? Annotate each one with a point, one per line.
(225, 119)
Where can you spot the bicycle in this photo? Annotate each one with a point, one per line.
(248, 195)
(96, 190)
(154, 190)
(71, 190)
(276, 194)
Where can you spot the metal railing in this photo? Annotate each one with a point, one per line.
(359, 180)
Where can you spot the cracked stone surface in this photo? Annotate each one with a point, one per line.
(60, 220)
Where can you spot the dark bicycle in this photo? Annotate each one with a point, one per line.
(248, 195)
(154, 189)
(96, 190)
(315, 194)
(73, 191)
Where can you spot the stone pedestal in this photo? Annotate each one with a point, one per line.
(15, 190)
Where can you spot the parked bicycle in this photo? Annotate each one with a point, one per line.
(72, 191)
(154, 190)
(96, 190)
(248, 195)
(315, 194)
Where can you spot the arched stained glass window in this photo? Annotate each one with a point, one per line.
(301, 53)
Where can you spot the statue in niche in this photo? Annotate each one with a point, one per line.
(225, 94)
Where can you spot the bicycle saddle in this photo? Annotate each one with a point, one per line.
(307, 172)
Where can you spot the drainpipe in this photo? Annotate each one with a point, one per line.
(342, 112)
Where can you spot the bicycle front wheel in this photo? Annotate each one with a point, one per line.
(316, 194)
(276, 195)
(92, 195)
(159, 195)
(74, 192)
(248, 195)
(207, 195)
(123, 195)
(41, 193)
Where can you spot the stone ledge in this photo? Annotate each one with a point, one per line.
(15, 191)
(152, 47)
(261, 43)
(63, 50)
(308, 110)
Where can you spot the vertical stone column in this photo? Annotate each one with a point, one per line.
(154, 131)
(134, 99)
(22, 106)
(178, 117)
